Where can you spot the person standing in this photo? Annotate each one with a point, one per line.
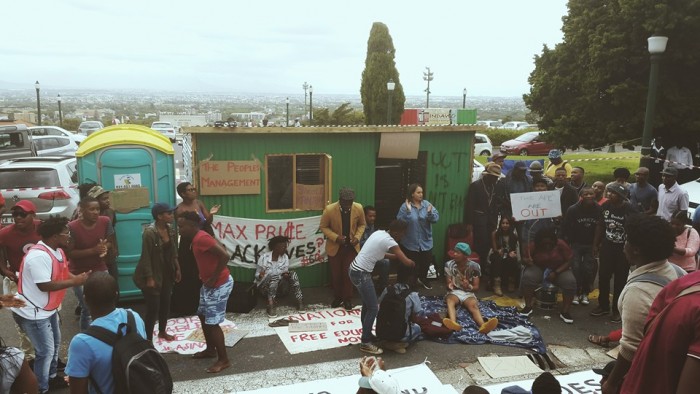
(382, 267)
(217, 283)
(555, 161)
(537, 172)
(343, 224)
(608, 246)
(622, 176)
(43, 280)
(417, 244)
(599, 191)
(658, 153)
(158, 269)
(517, 181)
(567, 194)
(687, 242)
(92, 239)
(671, 197)
(481, 210)
(642, 194)
(680, 158)
(577, 182)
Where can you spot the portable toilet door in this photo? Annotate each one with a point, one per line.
(136, 164)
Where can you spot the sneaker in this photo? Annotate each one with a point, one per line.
(599, 311)
(616, 318)
(347, 305)
(488, 326)
(300, 306)
(576, 300)
(425, 284)
(584, 300)
(370, 348)
(271, 311)
(525, 312)
(452, 325)
(566, 318)
(336, 303)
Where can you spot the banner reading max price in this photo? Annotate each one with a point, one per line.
(246, 239)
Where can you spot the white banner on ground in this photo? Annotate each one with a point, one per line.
(536, 205)
(189, 338)
(415, 379)
(342, 328)
(246, 239)
(575, 383)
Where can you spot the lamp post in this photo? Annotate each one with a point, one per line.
(657, 46)
(287, 124)
(464, 98)
(311, 104)
(60, 114)
(390, 88)
(427, 76)
(38, 102)
(305, 86)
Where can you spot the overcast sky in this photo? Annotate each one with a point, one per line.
(264, 46)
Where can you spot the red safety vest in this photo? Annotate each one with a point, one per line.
(59, 271)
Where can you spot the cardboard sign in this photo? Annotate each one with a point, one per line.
(575, 383)
(342, 328)
(229, 177)
(536, 205)
(189, 338)
(125, 200)
(246, 239)
(399, 146)
(310, 197)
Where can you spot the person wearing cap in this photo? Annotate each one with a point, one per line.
(497, 158)
(158, 268)
(621, 176)
(481, 209)
(343, 223)
(608, 245)
(462, 281)
(15, 241)
(643, 195)
(672, 197)
(555, 161)
(536, 172)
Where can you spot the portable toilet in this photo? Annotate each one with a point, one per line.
(136, 164)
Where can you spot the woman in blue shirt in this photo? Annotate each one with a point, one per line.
(417, 244)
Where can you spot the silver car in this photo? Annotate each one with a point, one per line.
(90, 126)
(49, 182)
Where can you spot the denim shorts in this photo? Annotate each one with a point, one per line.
(461, 295)
(212, 302)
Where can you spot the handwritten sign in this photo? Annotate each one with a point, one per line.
(229, 177)
(189, 338)
(310, 197)
(246, 239)
(342, 328)
(575, 383)
(536, 205)
(127, 199)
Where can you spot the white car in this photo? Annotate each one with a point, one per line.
(477, 169)
(527, 126)
(513, 125)
(693, 189)
(165, 128)
(57, 131)
(90, 126)
(491, 124)
(54, 145)
(482, 145)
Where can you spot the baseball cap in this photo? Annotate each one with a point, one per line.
(520, 165)
(461, 247)
(670, 171)
(554, 154)
(619, 189)
(96, 191)
(607, 370)
(381, 382)
(26, 206)
(160, 207)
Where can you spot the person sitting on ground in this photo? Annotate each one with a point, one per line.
(375, 378)
(548, 258)
(462, 280)
(413, 310)
(89, 366)
(505, 255)
(273, 271)
(16, 376)
(546, 383)
(382, 267)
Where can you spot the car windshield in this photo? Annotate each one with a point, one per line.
(161, 125)
(89, 124)
(526, 137)
(13, 178)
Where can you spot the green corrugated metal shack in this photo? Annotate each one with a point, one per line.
(343, 156)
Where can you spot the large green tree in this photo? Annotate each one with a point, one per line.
(591, 89)
(344, 115)
(380, 67)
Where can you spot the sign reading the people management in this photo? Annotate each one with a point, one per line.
(229, 177)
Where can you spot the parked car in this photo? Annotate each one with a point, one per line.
(90, 126)
(491, 124)
(49, 182)
(165, 128)
(482, 145)
(54, 145)
(513, 125)
(57, 131)
(528, 144)
(477, 169)
(15, 142)
(693, 189)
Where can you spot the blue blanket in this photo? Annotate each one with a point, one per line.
(507, 318)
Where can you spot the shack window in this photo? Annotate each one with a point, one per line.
(300, 182)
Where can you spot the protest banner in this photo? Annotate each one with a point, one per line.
(342, 328)
(246, 239)
(189, 338)
(536, 205)
(575, 383)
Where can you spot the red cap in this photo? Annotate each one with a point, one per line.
(26, 205)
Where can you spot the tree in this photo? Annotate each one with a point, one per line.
(591, 89)
(344, 115)
(380, 67)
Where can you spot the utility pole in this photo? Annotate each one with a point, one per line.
(305, 86)
(427, 76)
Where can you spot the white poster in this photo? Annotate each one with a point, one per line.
(579, 382)
(246, 239)
(123, 181)
(536, 205)
(342, 328)
(189, 338)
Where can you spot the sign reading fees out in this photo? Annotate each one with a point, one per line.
(536, 205)
(229, 177)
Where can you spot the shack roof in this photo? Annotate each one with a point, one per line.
(334, 129)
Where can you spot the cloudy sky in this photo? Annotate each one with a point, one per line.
(266, 46)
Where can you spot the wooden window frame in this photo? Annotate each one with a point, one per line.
(326, 170)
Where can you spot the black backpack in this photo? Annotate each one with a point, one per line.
(137, 366)
(391, 319)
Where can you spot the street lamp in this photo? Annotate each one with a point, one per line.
(311, 104)
(464, 98)
(390, 87)
(60, 114)
(427, 76)
(38, 102)
(287, 125)
(657, 46)
(305, 86)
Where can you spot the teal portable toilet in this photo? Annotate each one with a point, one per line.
(136, 164)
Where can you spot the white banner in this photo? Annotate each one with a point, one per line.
(536, 205)
(578, 382)
(189, 338)
(246, 239)
(342, 328)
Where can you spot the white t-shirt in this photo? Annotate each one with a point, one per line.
(37, 269)
(374, 249)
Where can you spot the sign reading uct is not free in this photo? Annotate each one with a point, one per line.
(536, 205)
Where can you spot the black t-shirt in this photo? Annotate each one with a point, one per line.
(580, 222)
(613, 219)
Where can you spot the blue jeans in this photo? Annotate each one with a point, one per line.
(45, 335)
(363, 282)
(382, 268)
(85, 319)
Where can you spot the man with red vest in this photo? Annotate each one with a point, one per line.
(43, 280)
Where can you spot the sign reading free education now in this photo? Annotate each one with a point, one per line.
(536, 205)
(229, 177)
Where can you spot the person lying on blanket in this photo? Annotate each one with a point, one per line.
(462, 276)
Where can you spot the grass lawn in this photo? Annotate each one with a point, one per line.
(596, 170)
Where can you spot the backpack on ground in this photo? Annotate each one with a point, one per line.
(137, 367)
(391, 319)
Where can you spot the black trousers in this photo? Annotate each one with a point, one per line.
(423, 259)
(157, 307)
(612, 264)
